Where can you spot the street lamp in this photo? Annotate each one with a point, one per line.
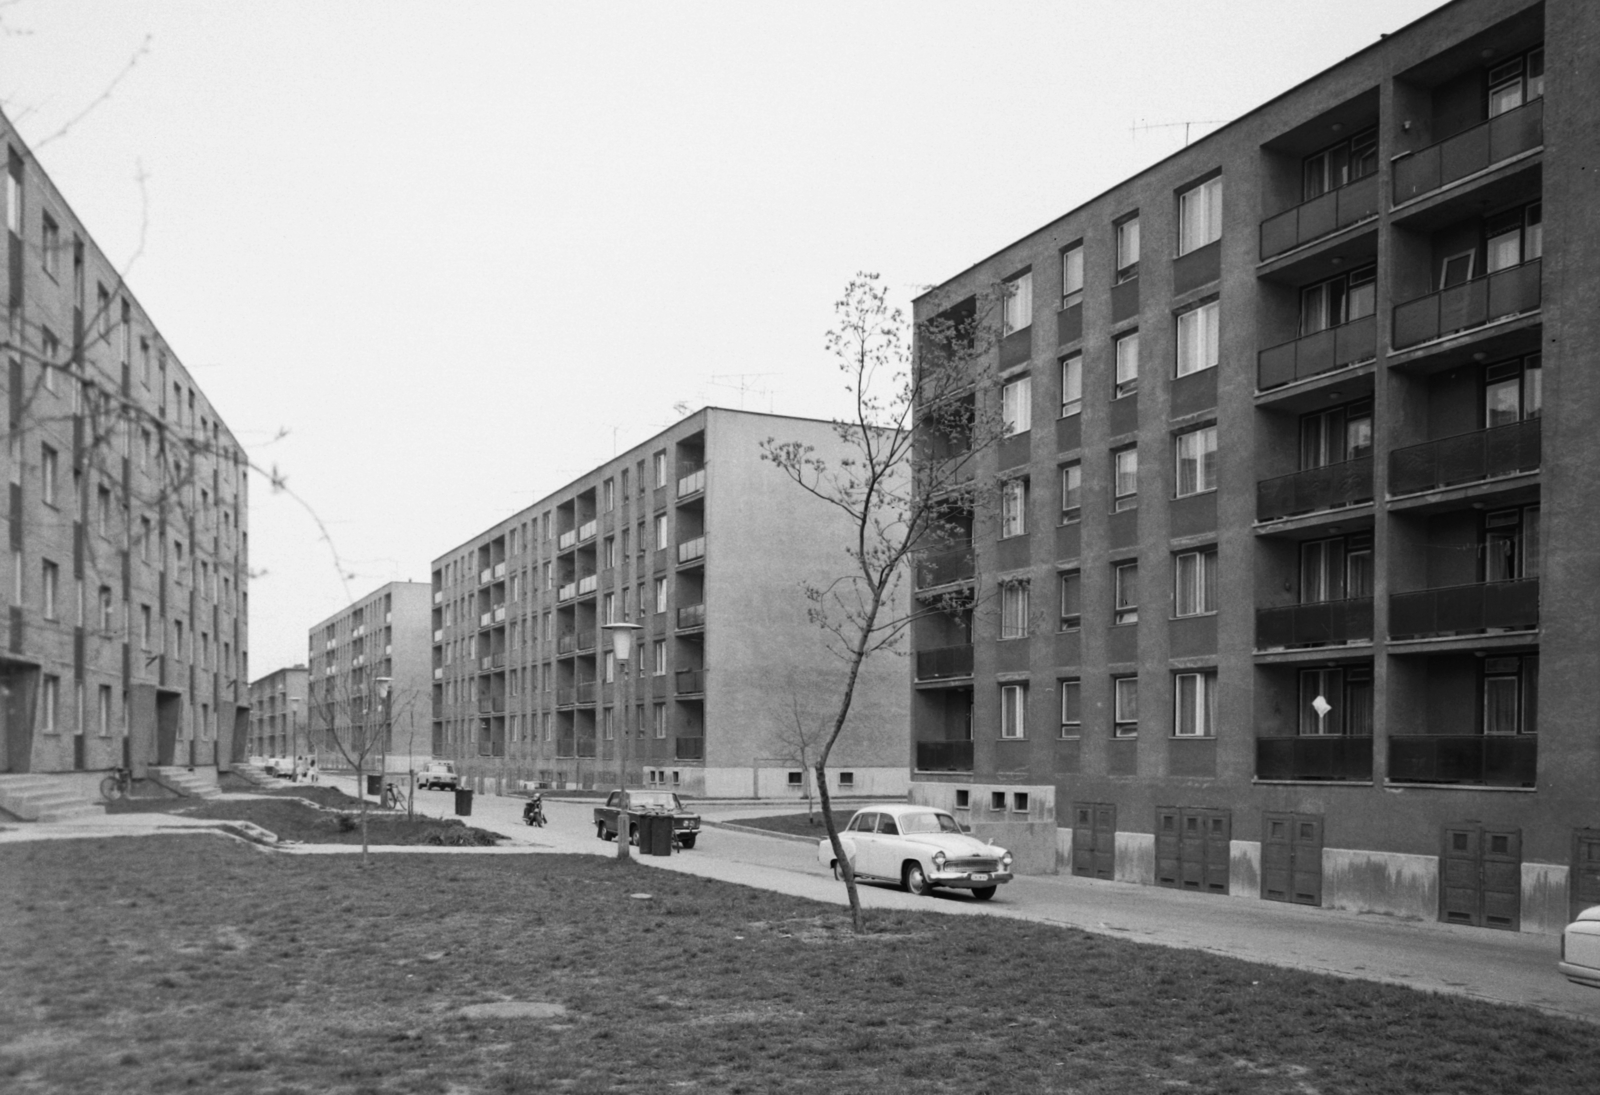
(622, 648)
(294, 734)
(386, 698)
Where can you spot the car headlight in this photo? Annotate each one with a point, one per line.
(938, 861)
(1005, 861)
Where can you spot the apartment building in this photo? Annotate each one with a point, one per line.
(127, 564)
(1294, 563)
(704, 547)
(369, 682)
(279, 714)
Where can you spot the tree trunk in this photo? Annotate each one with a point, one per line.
(846, 872)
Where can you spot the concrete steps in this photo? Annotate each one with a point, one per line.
(255, 775)
(50, 798)
(196, 783)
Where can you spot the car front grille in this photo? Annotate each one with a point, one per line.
(972, 863)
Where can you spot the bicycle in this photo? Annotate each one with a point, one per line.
(392, 798)
(119, 784)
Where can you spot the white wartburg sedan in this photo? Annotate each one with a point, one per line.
(919, 848)
(1580, 948)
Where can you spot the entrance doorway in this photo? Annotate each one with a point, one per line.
(169, 710)
(1291, 858)
(1480, 877)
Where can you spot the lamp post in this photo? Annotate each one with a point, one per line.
(622, 648)
(385, 697)
(294, 734)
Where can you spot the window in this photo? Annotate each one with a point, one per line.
(1071, 582)
(1127, 364)
(1125, 477)
(1014, 610)
(796, 779)
(49, 465)
(1125, 584)
(1516, 82)
(658, 720)
(1200, 215)
(661, 532)
(14, 197)
(49, 589)
(1346, 707)
(1195, 705)
(608, 723)
(1071, 385)
(608, 608)
(1128, 248)
(660, 466)
(108, 617)
(103, 510)
(1456, 269)
(50, 350)
(1018, 303)
(1342, 163)
(1514, 237)
(1016, 405)
(1197, 461)
(1511, 544)
(609, 493)
(1512, 392)
(104, 706)
(1072, 275)
(1336, 435)
(1336, 569)
(1125, 706)
(1013, 710)
(1071, 708)
(846, 779)
(1511, 695)
(145, 627)
(1019, 801)
(661, 594)
(1195, 579)
(608, 552)
(658, 658)
(50, 704)
(1338, 300)
(1198, 338)
(1013, 508)
(50, 245)
(610, 667)
(1071, 492)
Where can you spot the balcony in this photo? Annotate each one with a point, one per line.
(1467, 153)
(485, 576)
(944, 662)
(690, 550)
(438, 596)
(944, 567)
(1321, 216)
(438, 673)
(566, 695)
(1466, 458)
(1320, 352)
(497, 660)
(566, 539)
(693, 483)
(944, 756)
(586, 530)
(1320, 623)
(566, 643)
(691, 616)
(499, 612)
(499, 570)
(1320, 757)
(486, 618)
(1490, 760)
(689, 682)
(567, 592)
(438, 634)
(690, 749)
(588, 584)
(1465, 610)
(1331, 486)
(585, 641)
(1476, 303)
(585, 691)
(485, 661)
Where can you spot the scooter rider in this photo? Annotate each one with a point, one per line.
(533, 812)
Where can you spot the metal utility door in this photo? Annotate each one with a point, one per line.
(1094, 840)
(1480, 877)
(1193, 849)
(1291, 858)
(1585, 888)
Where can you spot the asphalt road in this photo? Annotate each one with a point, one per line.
(1504, 967)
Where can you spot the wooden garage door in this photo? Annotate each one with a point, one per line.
(1585, 886)
(1480, 877)
(1094, 839)
(1192, 848)
(1291, 858)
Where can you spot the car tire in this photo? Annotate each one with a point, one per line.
(600, 830)
(913, 879)
(686, 842)
(633, 836)
(984, 893)
(837, 876)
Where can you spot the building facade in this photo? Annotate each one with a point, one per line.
(369, 682)
(279, 714)
(704, 546)
(1296, 572)
(127, 564)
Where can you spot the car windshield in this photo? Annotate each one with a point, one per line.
(664, 800)
(929, 822)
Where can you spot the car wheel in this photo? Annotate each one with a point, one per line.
(600, 830)
(914, 880)
(633, 835)
(837, 877)
(984, 893)
(686, 842)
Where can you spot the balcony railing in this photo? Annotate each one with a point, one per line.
(1492, 760)
(944, 756)
(438, 596)
(586, 530)
(1321, 216)
(566, 695)
(1320, 352)
(943, 567)
(497, 660)
(691, 616)
(1466, 458)
(486, 618)
(485, 661)
(1476, 149)
(1483, 300)
(1328, 487)
(567, 592)
(690, 682)
(692, 483)
(1329, 757)
(499, 612)
(438, 634)
(485, 575)
(690, 550)
(585, 691)
(1320, 623)
(566, 539)
(588, 584)
(944, 662)
(567, 643)
(585, 641)
(1459, 610)
(499, 570)
(690, 748)
(438, 673)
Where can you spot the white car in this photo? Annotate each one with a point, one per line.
(1580, 949)
(440, 775)
(918, 847)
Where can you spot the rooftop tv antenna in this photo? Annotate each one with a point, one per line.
(741, 381)
(1139, 127)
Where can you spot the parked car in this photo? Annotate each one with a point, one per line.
(283, 767)
(438, 775)
(918, 847)
(685, 823)
(1580, 949)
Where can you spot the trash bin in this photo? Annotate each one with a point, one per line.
(655, 834)
(463, 802)
(375, 785)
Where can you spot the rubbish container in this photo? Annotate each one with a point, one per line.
(463, 802)
(375, 785)
(655, 834)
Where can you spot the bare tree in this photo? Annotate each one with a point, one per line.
(800, 739)
(354, 721)
(909, 483)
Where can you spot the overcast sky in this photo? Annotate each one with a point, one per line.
(457, 254)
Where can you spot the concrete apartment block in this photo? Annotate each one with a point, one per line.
(705, 546)
(279, 713)
(1304, 593)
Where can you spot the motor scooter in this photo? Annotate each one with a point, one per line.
(533, 812)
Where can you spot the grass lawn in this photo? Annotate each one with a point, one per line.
(291, 815)
(801, 824)
(194, 963)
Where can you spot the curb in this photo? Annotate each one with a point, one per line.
(753, 831)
